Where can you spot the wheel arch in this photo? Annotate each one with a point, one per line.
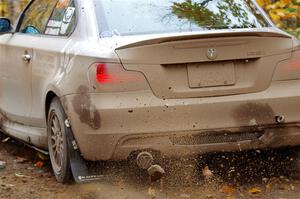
(50, 93)
(49, 97)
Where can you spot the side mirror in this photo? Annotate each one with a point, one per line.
(5, 26)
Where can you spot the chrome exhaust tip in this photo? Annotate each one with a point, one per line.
(144, 160)
(280, 119)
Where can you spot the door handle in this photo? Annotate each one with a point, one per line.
(26, 57)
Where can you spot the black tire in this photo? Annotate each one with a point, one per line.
(58, 143)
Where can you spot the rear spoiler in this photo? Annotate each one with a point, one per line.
(206, 35)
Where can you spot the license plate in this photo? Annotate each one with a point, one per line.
(211, 74)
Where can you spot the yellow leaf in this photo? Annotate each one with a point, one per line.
(254, 191)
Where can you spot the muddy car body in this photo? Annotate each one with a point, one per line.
(174, 93)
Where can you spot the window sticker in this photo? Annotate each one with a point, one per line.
(67, 20)
(52, 31)
(69, 14)
(64, 28)
(54, 23)
(62, 4)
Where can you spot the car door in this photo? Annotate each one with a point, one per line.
(15, 92)
(17, 49)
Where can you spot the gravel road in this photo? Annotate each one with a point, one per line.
(252, 174)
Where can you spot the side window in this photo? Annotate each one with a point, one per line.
(63, 20)
(36, 16)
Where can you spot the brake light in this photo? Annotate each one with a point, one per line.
(288, 69)
(107, 73)
(102, 75)
(113, 77)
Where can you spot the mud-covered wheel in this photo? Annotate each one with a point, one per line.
(57, 142)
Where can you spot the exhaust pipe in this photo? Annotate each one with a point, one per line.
(145, 161)
(280, 119)
(156, 172)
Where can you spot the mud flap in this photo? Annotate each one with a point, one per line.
(80, 169)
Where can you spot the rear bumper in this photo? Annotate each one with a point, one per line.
(112, 125)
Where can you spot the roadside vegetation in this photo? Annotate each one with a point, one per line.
(284, 13)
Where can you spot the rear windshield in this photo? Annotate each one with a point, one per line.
(138, 17)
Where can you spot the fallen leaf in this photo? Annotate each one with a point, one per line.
(39, 164)
(19, 175)
(42, 156)
(254, 191)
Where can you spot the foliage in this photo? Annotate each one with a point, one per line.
(284, 13)
(223, 14)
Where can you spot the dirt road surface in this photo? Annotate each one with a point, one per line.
(252, 174)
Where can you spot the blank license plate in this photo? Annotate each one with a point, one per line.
(211, 74)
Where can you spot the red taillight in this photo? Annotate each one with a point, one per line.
(107, 73)
(102, 75)
(113, 77)
(288, 69)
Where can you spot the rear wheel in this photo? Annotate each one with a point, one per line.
(57, 142)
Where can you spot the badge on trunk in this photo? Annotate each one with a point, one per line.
(212, 53)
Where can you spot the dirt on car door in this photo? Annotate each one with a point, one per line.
(15, 93)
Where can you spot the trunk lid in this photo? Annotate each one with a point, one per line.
(208, 64)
